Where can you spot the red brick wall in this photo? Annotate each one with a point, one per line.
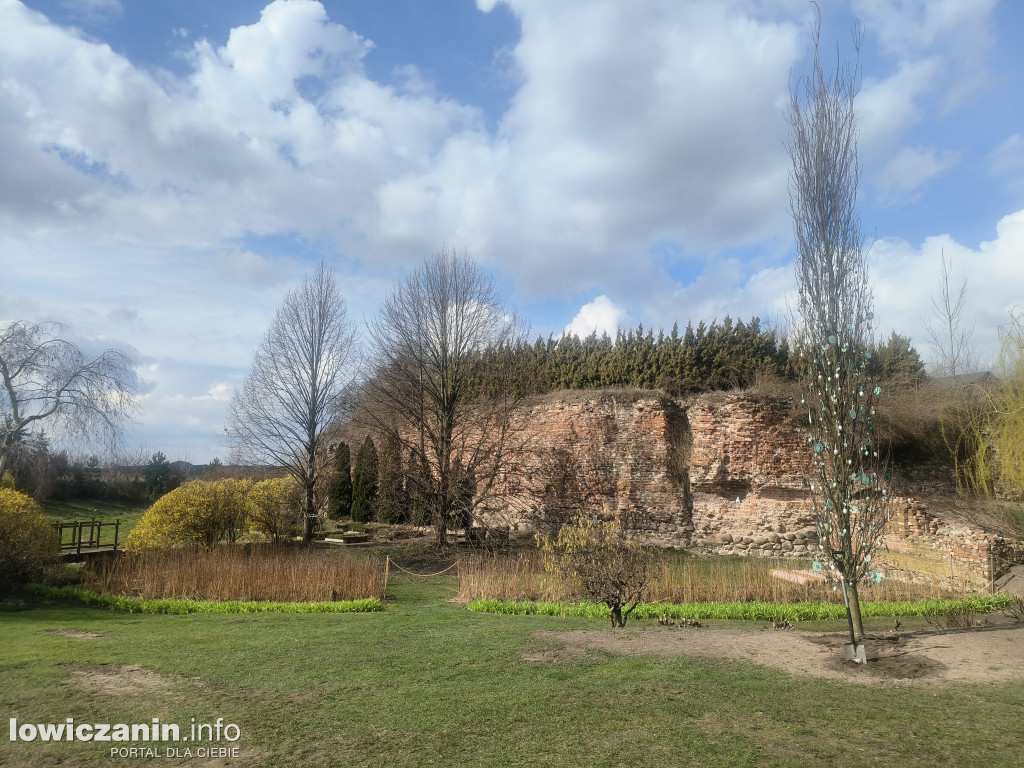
(721, 473)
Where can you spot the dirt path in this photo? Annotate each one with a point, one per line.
(985, 654)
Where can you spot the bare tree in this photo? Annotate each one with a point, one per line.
(834, 328)
(297, 386)
(950, 335)
(49, 383)
(430, 392)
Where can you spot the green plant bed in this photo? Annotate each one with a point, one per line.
(751, 611)
(349, 537)
(128, 604)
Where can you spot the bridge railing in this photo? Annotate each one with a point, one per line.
(78, 535)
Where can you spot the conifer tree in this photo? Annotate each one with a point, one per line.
(392, 503)
(339, 503)
(364, 482)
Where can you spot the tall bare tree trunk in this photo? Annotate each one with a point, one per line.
(296, 388)
(833, 332)
(426, 391)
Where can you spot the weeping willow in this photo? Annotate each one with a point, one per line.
(984, 428)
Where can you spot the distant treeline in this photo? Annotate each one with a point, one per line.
(709, 357)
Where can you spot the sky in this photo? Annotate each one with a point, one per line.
(170, 168)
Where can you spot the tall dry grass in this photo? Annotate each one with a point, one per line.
(240, 572)
(683, 579)
(503, 577)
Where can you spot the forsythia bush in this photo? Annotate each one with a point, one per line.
(203, 511)
(274, 508)
(29, 545)
(208, 511)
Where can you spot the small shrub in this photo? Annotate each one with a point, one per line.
(29, 546)
(603, 562)
(961, 616)
(1015, 608)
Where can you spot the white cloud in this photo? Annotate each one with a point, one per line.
(277, 130)
(628, 126)
(1008, 157)
(95, 11)
(905, 278)
(725, 288)
(940, 49)
(888, 107)
(133, 201)
(955, 35)
(633, 123)
(910, 168)
(908, 28)
(599, 316)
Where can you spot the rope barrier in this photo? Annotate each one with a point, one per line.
(423, 575)
(388, 562)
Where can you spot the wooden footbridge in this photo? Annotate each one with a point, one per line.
(87, 537)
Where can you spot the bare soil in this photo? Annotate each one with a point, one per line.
(993, 653)
(118, 680)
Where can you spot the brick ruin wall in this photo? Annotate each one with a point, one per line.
(725, 474)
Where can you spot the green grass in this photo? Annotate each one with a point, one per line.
(428, 683)
(106, 511)
(128, 604)
(748, 611)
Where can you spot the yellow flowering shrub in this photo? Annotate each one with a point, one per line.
(29, 545)
(275, 508)
(202, 511)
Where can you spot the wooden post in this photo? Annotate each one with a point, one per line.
(117, 527)
(991, 570)
(387, 571)
(78, 533)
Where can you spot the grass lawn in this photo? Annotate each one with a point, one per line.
(427, 683)
(104, 510)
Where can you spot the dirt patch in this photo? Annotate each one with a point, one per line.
(985, 654)
(117, 680)
(564, 653)
(76, 633)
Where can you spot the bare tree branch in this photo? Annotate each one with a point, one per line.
(950, 336)
(300, 375)
(47, 382)
(834, 333)
(429, 340)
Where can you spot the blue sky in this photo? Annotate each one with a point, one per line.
(168, 168)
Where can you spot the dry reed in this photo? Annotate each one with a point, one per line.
(683, 579)
(240, 572)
